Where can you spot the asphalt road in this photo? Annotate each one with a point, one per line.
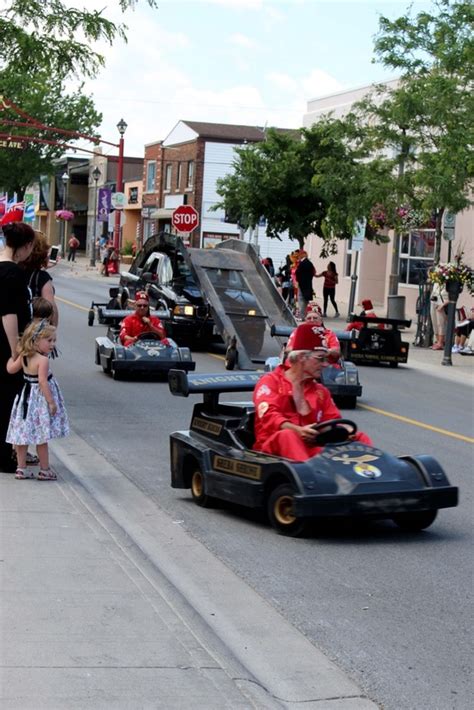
(392, 609)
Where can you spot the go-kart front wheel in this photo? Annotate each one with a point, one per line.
(90, 316)
(414, 522)
(231, 358)
(197, 490)
(280, 509)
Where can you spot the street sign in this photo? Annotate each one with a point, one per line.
(449, 223)
(118, 200)
(111, 221)
(185, 218)
(358, 235)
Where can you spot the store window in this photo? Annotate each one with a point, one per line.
(416, 256)
(190, 173)
(150, 176)
(168, 171)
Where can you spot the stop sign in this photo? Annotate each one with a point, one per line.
(185, 218)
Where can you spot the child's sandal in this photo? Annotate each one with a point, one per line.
(21, 474)
(47, 475)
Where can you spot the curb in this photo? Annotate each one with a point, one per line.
(292, 670)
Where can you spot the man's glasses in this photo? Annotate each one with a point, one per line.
(319, 358)
(142, 305)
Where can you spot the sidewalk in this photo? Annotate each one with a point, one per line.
(107, 606)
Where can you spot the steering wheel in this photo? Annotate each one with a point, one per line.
(149, 335)
(334, 431)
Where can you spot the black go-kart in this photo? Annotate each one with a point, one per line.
(148, 357)
(375, 345)
(341, 378)
(214, 458)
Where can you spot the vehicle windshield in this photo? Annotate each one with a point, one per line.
(233, 291)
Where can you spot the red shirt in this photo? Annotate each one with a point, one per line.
(274, 405)
(133, 325)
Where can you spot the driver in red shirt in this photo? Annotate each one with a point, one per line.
(141, 322)
(289, 400)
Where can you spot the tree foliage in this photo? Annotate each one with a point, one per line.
(426, 122)
(309, 182)
(48, 35)
(47, 102)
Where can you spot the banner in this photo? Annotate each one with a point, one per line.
(104, 204)
(29, 207)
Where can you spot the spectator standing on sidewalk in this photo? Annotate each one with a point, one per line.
(304, 274)
(38, 413)
(439, 319)
(15, 313)
(39, 280)
(73, 245)
(331, 279)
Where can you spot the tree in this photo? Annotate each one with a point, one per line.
(427, 120)
(46, 101)
(312, 181)
(48, 35)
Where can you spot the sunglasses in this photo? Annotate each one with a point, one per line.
(319, 358)
(141, 305)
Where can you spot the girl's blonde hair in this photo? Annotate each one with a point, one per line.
(36, 330)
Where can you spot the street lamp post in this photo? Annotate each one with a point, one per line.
(95, 176)
(64, 180)
(122, 127)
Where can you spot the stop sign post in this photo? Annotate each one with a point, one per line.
(185, 218)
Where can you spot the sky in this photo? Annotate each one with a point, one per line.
(253, 62)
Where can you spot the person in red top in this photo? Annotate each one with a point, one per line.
(368, 312)
(331, 279)
(141, 322)
(289, 400)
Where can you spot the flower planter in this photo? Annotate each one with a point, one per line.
(126, 259)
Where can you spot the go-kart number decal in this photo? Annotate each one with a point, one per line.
(237, 468)
(207, 426)
(361, 460)
(368, 471)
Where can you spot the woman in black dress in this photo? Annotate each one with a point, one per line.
(15, 314)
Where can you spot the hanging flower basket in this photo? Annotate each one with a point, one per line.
(455, 274)
(65, 215)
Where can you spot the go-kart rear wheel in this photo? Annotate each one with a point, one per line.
(413, 522)
(197, 490)
(231, 358)
(393, 364)
(280, 507)
(90, 316)
(347, 402)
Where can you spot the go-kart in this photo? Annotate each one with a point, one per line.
(378, 342)
(148, 356)
(341, 378)
(214, 458)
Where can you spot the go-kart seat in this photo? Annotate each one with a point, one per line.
(245, 433)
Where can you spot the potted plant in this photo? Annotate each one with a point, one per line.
(127, 253)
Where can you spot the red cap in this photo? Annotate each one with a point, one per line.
(308, 337)
(367, 304)
(141, 296)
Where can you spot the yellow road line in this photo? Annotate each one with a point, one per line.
(71, 303)
(415, 422)
(218, 357)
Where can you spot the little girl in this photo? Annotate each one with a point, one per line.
(38, 413)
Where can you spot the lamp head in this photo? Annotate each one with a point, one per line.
(122, 126)
(96, 174)
(65, 178)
